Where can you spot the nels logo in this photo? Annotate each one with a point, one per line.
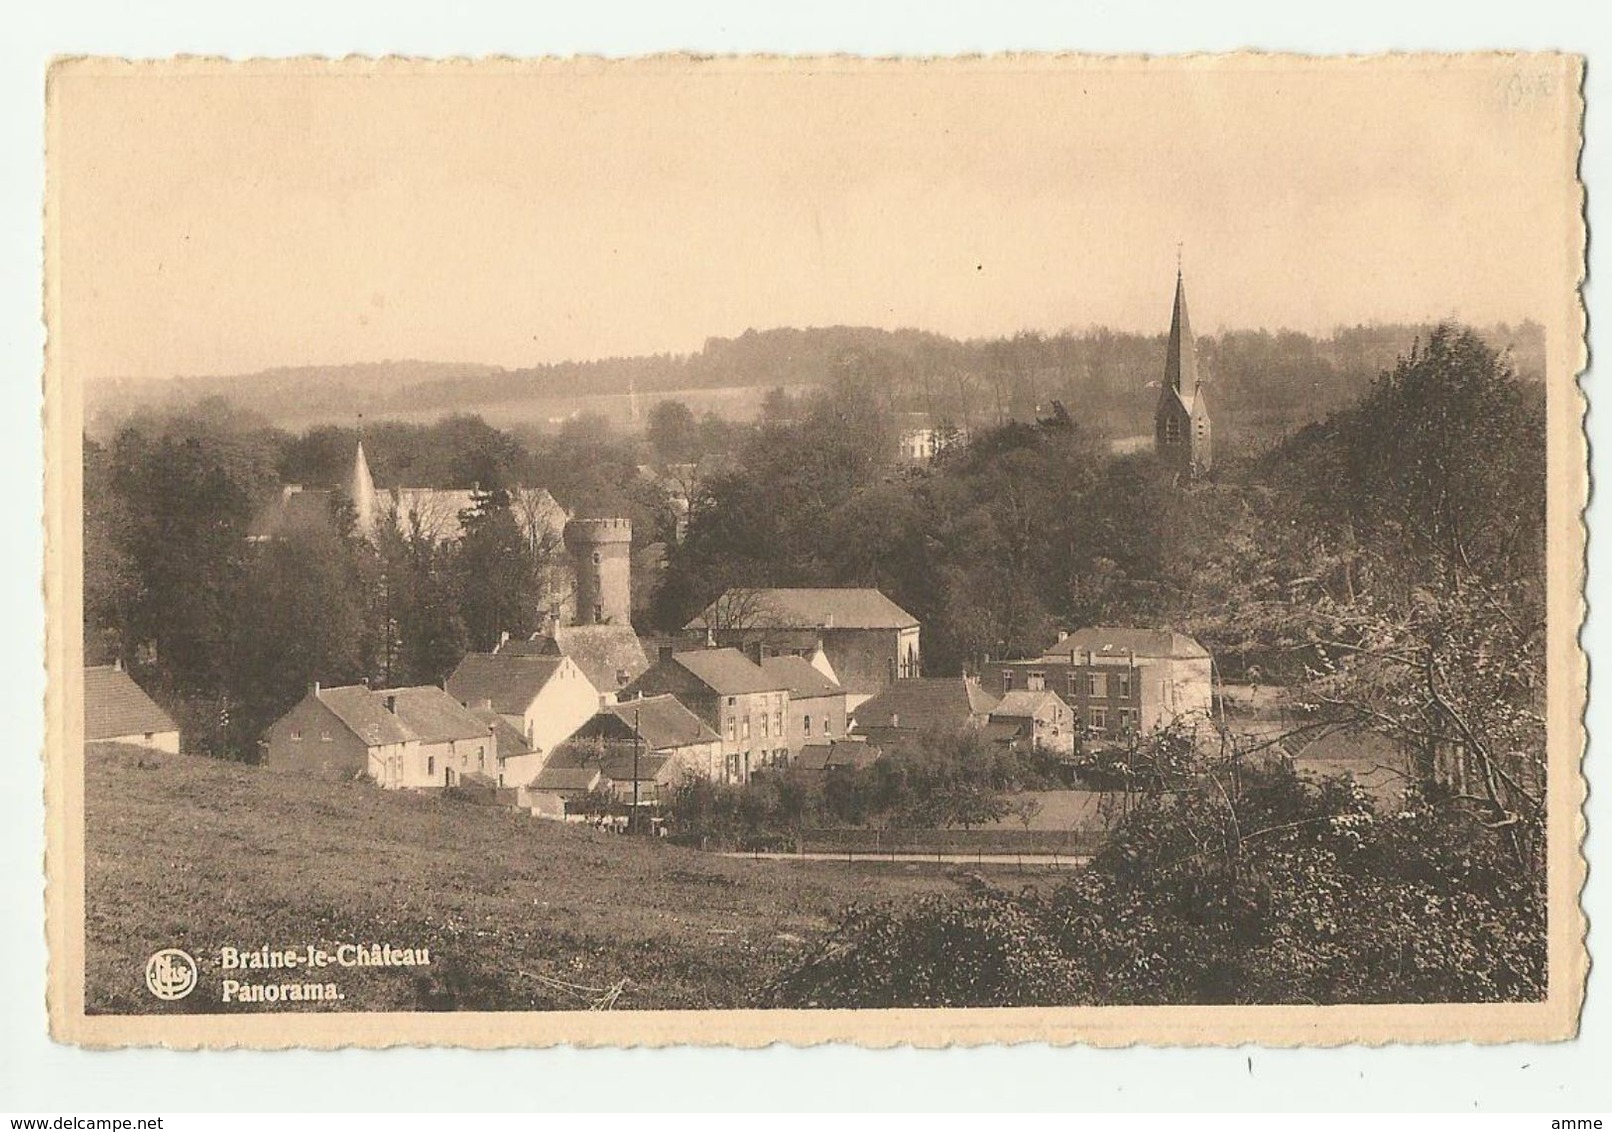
(170, 974)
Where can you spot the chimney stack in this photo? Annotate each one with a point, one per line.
(391, 704)
(316, 687)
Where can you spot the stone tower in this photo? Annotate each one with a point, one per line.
(1181, 429)
(601, 559)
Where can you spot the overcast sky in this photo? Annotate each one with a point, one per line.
(215, 222)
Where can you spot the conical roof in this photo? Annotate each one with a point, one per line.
(1181, 363)
(362, 492)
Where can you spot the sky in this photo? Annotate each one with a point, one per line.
(207, 219)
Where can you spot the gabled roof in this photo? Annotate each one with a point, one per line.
(803, 681)
(433, 715)
(1003, 730)
(508, 684)
(839, 752)
(511, 743)
(578, 778)
(662, 722)
(926, 702)
(1025, 704)
(826, 608)
(727, 672)
(364, 715)
(618, 766)
(114, 706)
(1116, 644)
(603, 652)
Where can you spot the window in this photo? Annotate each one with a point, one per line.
(778, 724)
(1127, 720)
(766, 725)
(1007, 679)
(296, 735)
(733, 728)
(1074, 685)
(807, 722)
(1036, 681)
(431, 765)
(1172, 429)
(596, 558)
(827, 729)
(745, 730)
(732, 701)
(598, 613)
(1122, 685)
(1099, 719)
(324, 736)
(1095, 685)
(481, 759)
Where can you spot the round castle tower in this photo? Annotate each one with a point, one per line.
(601, 559)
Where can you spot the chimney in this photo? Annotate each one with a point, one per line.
(1063, 635)
(391, 704)
(117, 664)
(503, 639)
(316, 687)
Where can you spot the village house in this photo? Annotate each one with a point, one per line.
(340, 733)
(816, 701)
(544, 698)
(1043, 719)
(556, 789)
(117, 710)
(869, 640)
(822, 758)
(1116, 682)
(908, 709)
(610, 656)
(455, 747)
(735, 697)
(657, 725)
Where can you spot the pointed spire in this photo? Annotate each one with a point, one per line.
(362, 492)
(1181, 363)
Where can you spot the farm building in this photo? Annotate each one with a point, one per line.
(117, 710)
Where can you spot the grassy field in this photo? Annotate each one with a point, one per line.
(518, 913)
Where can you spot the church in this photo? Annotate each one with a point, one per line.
(1182, 436)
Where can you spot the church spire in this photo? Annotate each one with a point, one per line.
(1181, 363)
(362, 492)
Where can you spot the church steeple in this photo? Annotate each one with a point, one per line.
(1181, 363)
(361, 490)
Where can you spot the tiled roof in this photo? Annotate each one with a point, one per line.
(663, 722)
(433, 715)
(508, 683)
(728, 671)
(618, 766)
(804, 681)
(579, 778)
(603, 652)
(510, 740)
(1003, 730)
(1024, 704)
(840, 752)
(365, 715)
(114, 706)
(930, 701)
(1118, 643)
(838, 608)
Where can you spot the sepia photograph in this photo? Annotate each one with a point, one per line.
(735, 550)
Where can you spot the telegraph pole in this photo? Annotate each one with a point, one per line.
(637, 741)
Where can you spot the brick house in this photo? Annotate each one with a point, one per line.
(338, 733)
(869, 640)
(1117, 682)
(736, 698)
(816, 702)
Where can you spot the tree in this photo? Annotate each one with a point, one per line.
(673, 432)
(502, 576)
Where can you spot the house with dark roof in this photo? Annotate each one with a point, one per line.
(545, 698)
(816, 702)
(117, 710)
(908, 709)
(734, 696)
(853, 753)
(1116, 681)
(455, 745)
(1042, 718)
(868, 639)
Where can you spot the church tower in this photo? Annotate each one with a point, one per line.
(1181, 430)
(361, 490)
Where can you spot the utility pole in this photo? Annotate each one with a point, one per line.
(637, 740)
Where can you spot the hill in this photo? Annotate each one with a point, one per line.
(518, 913)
